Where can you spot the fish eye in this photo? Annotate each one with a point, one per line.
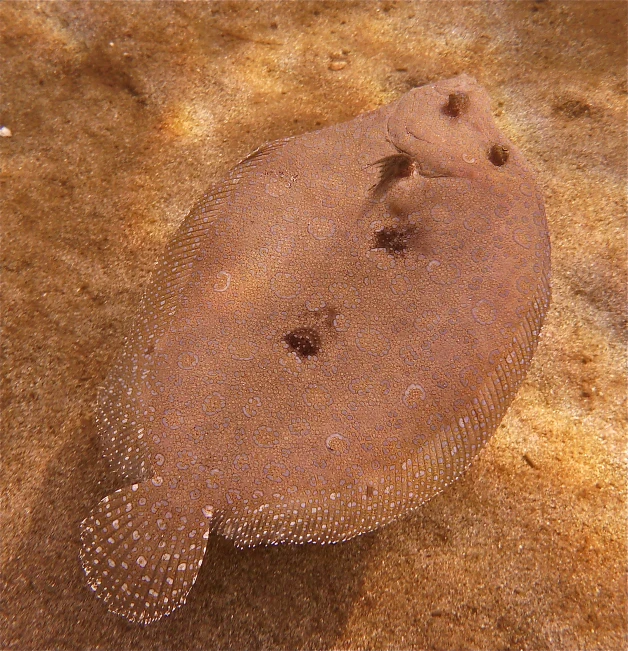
(498, 155)
(457, 103)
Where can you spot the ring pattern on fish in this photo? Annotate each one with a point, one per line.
(328, 341)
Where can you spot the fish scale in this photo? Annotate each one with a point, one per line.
(328, 341)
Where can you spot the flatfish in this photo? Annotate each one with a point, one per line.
(328, 341)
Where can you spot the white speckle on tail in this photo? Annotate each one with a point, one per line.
(141, 553)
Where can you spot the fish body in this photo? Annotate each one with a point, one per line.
(329, 340)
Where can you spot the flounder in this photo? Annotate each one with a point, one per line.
(328, 341)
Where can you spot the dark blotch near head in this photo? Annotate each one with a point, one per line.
(457, 103)
(394, 240)
(498, 155)
(304, 341)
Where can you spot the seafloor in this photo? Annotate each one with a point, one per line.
(120, 114)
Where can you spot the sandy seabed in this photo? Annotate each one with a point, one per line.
(120, 114)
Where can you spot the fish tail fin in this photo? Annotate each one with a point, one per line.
(142, 550)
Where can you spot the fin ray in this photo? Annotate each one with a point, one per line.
(119, 400)
(142, 551)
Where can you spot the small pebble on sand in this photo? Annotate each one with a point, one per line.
(337, 65)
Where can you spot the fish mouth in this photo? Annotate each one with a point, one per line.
(421, 166)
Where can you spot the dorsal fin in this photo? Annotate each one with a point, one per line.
(262, 152)
(120, 400)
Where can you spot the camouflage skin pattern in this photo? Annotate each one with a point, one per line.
(328, 341)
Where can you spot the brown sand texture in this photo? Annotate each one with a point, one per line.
(117, 116)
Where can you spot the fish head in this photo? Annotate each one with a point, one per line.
(449, 129)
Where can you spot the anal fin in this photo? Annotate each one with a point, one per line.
(142, 550)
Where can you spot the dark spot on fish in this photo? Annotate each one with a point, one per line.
(304, 341)
(457, 103)
(394, 240)
(391, 168)
(150, 349)
(498, 155)
(370, 491)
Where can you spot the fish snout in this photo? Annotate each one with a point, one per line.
(448, 130)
